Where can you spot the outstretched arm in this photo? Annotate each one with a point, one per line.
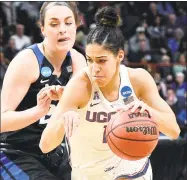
(75, 95)
(160, 110)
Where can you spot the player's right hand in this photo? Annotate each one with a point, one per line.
(43, 101)
(55, 92)
(71, 122)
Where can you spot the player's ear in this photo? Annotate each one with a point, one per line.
(42, 31)
(120, 55)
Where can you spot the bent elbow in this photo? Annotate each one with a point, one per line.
(176, 132)
(44, 146)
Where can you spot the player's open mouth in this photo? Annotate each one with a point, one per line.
(98, 77)
(63, 39)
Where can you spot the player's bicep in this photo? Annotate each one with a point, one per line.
(70, 98)
(16, 84)
(150, 95)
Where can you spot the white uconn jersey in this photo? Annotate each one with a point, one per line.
(91, 156)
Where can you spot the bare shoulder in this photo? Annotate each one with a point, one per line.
(80, 87)
(25, 57)
(138, 74)
(25, 62)
(141, 80)
(78, 60)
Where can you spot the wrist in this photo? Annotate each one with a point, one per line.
(37, 112)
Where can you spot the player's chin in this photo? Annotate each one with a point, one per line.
(101, 83)
(64, 46)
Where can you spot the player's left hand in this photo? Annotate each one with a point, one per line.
(71, 122)
(135, 105)
(55, 92)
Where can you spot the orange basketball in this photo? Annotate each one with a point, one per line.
(132, 136)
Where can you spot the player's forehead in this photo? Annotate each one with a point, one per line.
(57, 12)
(96, 50)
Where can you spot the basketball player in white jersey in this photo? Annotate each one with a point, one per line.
(90, 100)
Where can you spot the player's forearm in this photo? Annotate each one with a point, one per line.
(167, 123)
(15, 120)
(52, 136)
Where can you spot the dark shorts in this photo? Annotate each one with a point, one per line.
(21, 166)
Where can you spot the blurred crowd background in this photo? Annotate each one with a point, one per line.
(155, 35)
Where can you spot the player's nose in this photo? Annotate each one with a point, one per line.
(96, 68)
(62, 28)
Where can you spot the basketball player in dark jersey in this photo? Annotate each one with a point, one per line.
(25, 107)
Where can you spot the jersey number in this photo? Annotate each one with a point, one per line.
(104, 134)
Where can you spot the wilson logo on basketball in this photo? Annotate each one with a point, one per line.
(145, 130)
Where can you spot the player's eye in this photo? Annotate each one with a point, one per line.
(68, 23)
(54, 24)
(102, 61)
(90, 60)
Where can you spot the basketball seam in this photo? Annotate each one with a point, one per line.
(122, 151)
(138, 121)
(133, 139)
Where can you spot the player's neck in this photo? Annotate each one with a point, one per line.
(112, 86)
(55, 58)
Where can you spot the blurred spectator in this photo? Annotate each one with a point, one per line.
(134, 41)
(142, 55)
(156, 33)
(169, 81)
(3, 68)
(130, 14)
(165, 8)
(181, 66)
(171, 25)
(172, 100)
(89, 8)
(131, 8)
(27, 14)
(181, 116)
(10, 50)
(20, 39)
(3, 19)
(183, 44)
(162, 89)
(165, 69)
(152, 13)
(80, 41)
(9, 9)
(7, 32)
(1, 36)
(157, 30)
(174, 42)
(180, 87)
(32, 6)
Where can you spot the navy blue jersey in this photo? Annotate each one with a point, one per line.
(27, 139)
